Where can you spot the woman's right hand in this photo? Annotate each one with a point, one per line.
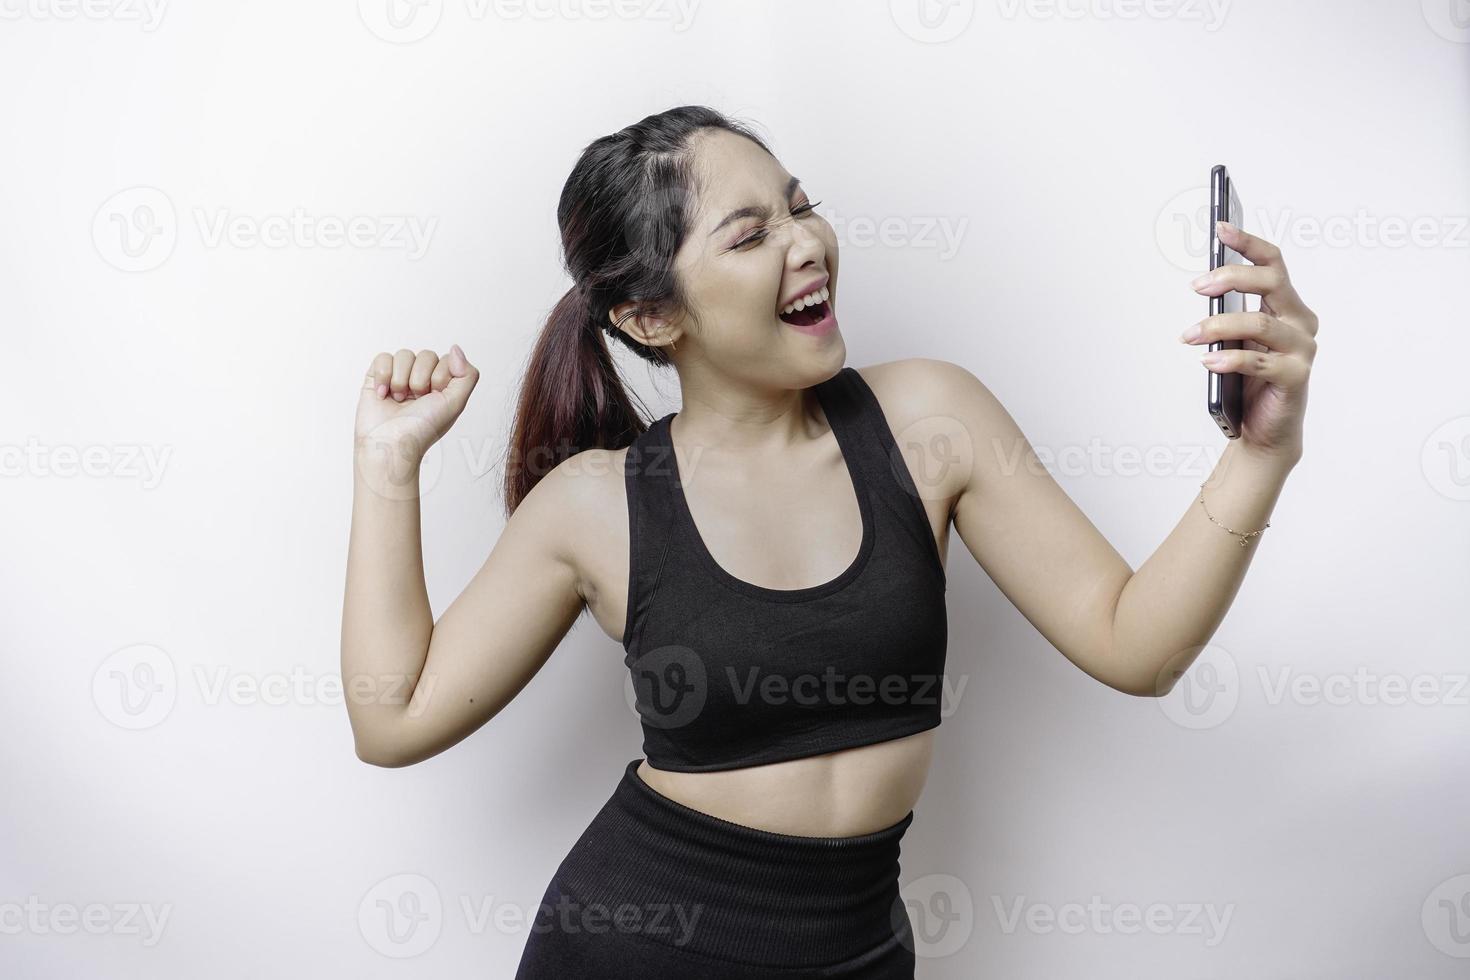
(408, 401)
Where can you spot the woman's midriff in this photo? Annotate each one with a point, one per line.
(837, 794)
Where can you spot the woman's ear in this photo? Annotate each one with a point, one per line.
(642, 324)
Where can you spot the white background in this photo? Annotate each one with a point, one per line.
(1065, 149)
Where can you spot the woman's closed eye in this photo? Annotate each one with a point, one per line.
(800, 211)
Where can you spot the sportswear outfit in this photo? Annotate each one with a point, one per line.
(729, 674)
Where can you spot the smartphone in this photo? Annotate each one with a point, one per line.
(1224, 395)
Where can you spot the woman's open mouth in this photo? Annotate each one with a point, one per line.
(808, 317)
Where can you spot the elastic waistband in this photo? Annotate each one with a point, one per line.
(742, 894)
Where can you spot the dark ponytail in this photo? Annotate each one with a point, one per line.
(624, 213)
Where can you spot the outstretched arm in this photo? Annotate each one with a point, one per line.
(1137, 631)
(1173, 604)
(1038, 547)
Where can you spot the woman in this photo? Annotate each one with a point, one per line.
(777, 583)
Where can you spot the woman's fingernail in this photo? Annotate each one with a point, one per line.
(1224, 228)
(382, 390)
(1211, 358)
(1201, 280)
(1190, 335)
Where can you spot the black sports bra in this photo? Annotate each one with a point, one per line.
(730, 674)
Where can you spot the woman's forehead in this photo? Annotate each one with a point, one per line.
(732, 172)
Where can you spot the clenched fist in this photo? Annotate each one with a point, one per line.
(408, 401)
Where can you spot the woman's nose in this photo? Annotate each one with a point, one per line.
(805, 237)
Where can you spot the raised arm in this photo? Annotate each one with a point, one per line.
(414, 688)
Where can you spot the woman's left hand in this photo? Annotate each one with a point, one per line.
(1279, 344)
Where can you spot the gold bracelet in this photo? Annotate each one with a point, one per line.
(1243, 537)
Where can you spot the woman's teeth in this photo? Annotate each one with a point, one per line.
(820, 296)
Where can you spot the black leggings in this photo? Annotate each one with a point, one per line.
(654, 888)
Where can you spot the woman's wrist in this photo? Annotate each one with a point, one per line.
(1284, 459)
(388, 468)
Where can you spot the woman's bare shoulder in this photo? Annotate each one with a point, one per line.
(910, 389)
(938, 411)
(585, 513)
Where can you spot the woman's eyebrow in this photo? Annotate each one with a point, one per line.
(755, 211)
